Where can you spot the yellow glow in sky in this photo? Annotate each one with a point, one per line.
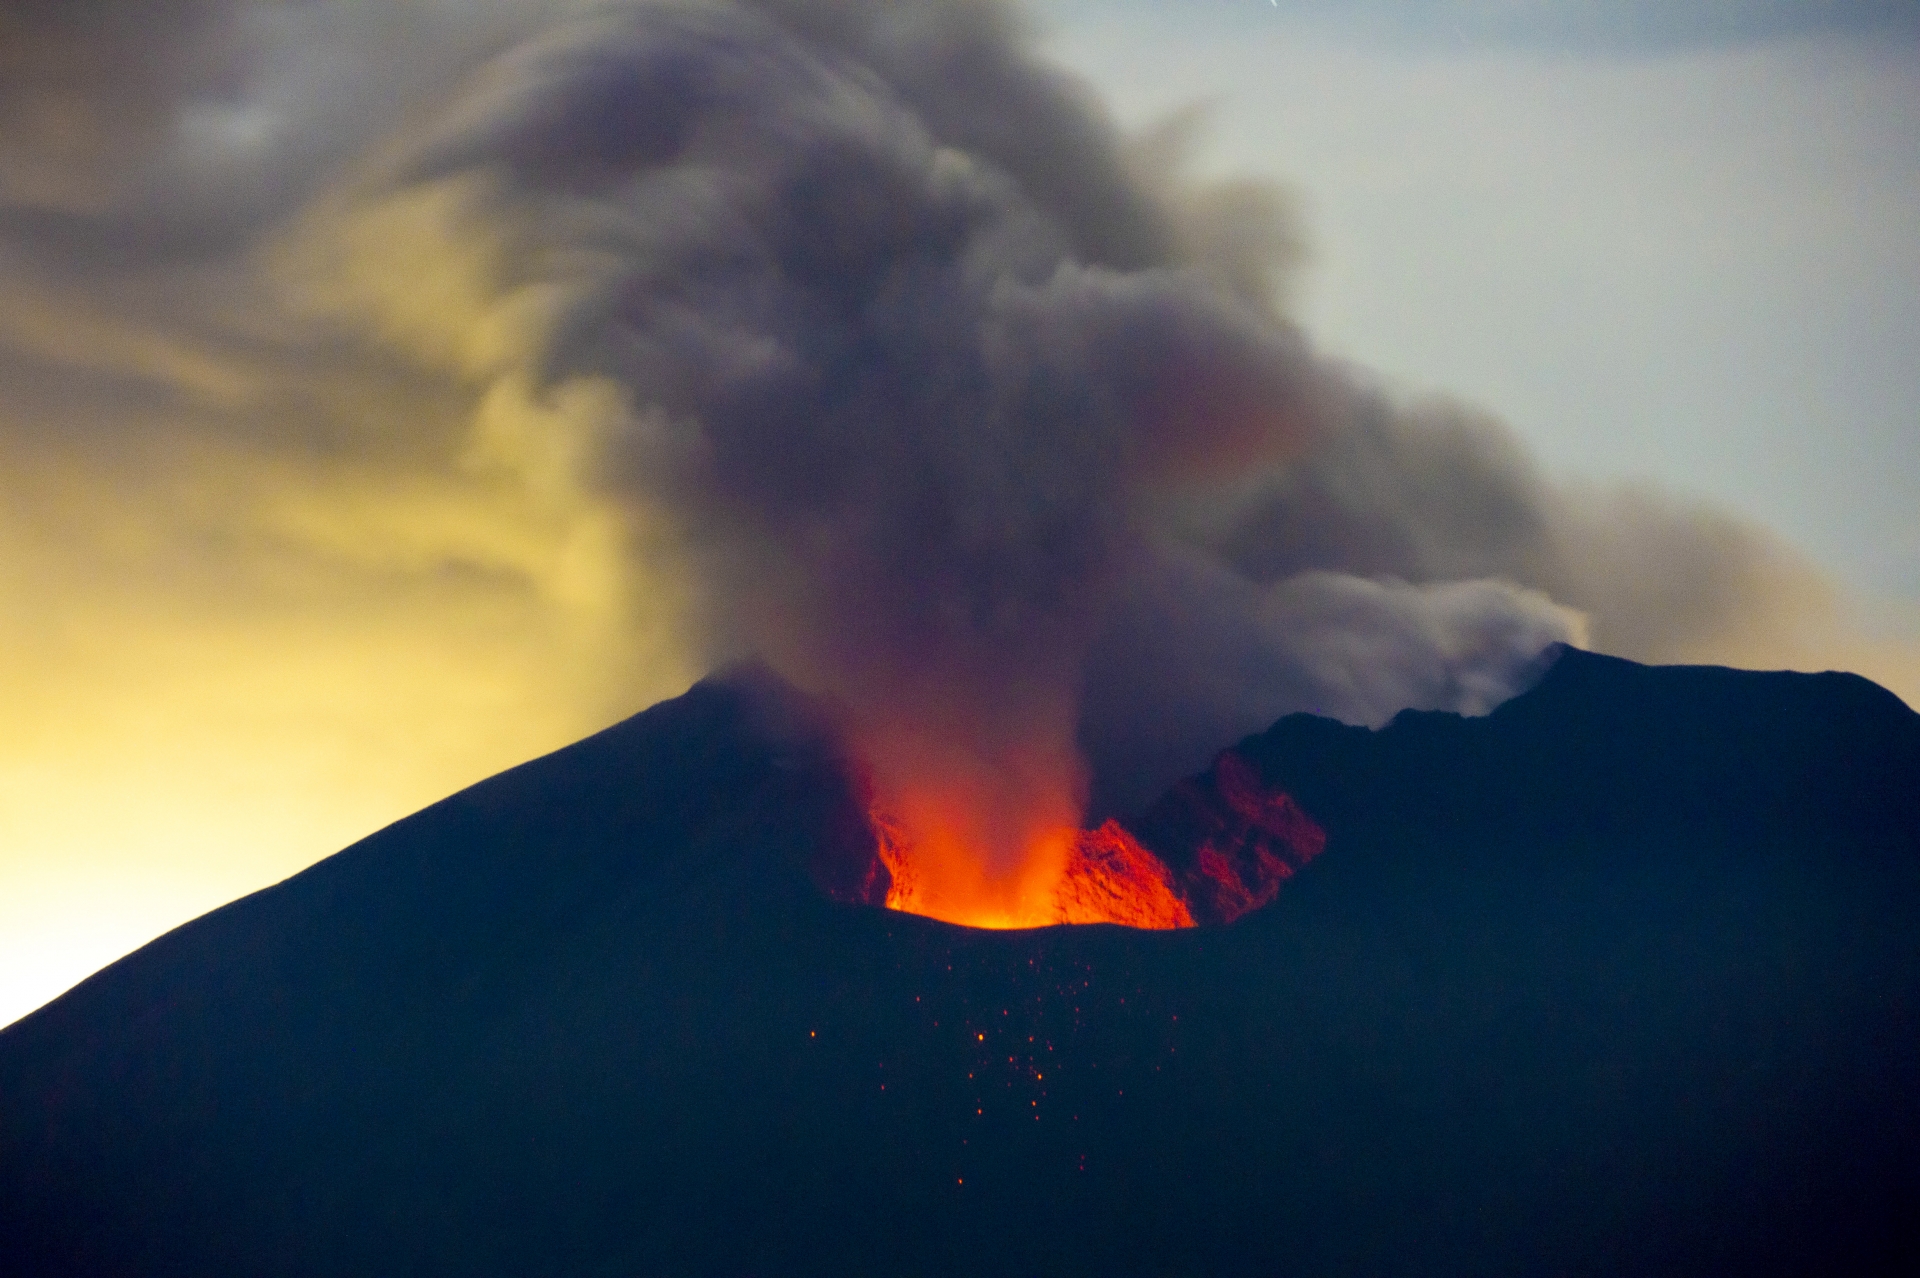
(217, 681)
(298, 532)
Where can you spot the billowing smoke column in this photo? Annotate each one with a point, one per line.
(646, 336)
(864, 319)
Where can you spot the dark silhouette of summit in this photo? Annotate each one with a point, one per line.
(1622, 978)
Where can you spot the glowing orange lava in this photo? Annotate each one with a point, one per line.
(1213, 849)
(1068, 876)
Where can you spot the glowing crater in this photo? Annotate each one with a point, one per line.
(1215, 848)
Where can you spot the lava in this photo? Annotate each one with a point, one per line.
(939, 866)
(1215, 848)
(1072, 876)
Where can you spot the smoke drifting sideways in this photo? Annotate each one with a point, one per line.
(845, 334)
(868, 311)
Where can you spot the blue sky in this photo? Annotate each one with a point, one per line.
(1666, 243)
(1623, 27)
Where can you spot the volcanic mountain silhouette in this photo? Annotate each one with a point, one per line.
(1621, 978)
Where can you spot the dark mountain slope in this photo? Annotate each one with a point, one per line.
(1621, 978)
(1604, 749)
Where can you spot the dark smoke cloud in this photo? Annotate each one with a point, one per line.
(137, 132)
(88, 86)
(843, 332)
(883, 324)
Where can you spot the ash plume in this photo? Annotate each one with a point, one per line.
(848, 334)
(870, 310)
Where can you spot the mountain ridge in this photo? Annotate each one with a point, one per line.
(595, 1015)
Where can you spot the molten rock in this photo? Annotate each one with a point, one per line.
(1215, 847)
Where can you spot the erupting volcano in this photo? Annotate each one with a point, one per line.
(1639, 937)
(848, 348)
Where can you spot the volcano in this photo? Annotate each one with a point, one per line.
(1621, 978)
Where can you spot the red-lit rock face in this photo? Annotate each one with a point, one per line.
(1230, 839)
(1216, 847)
(1111, 878)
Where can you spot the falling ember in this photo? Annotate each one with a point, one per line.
(1216, 847)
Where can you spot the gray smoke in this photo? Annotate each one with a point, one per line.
(916, 369)
(897, 364)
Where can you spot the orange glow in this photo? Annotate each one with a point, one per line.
(1111, 878)
(971, 831)
(1234, 839)
(1067, 876)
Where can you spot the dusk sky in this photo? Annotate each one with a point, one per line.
(1671, 242)
(265, 587)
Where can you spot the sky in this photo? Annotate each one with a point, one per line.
(269, 581)
(1660, 241)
